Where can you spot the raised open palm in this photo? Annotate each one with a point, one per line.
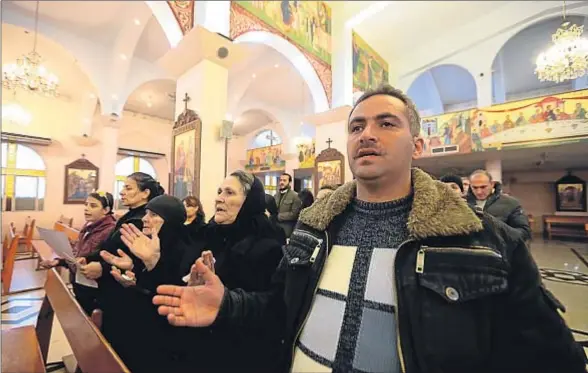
(195, 306)
(122, 261)
(143, 247)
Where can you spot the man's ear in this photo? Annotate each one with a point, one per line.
(417, 147)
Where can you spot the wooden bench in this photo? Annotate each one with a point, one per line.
(65, 221)
(21, 351)
(566, 226)
(71, 233)
(91, 350)
(9, 249)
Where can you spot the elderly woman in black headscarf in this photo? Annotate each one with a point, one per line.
(246, 248)
(159, 246)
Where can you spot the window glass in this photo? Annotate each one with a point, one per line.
(4, 153)
(25, 193)
(28, 159)
(146, 167)
(124, 167)
(265, 138)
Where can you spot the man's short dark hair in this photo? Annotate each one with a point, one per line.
(452, 179)
(414, 119)
(481, 172)
(289, 176)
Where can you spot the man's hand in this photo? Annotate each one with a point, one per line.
(195, 306)
(93, 270)
(122, 261)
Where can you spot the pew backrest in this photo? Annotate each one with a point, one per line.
(65, 220)
(71, 233)
(91, 350)
(8, 259)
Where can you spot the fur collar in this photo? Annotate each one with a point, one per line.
(436, 209)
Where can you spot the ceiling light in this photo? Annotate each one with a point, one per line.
(137, 22)
(114, 96)
(123, 56)
(92, 96)
(253, 76)
(567, 58)
(28, 73)
(276, 66)
(149, 104)
(13, 113)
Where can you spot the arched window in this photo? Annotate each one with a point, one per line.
(23, 178)
(265, 138)
(124, 168)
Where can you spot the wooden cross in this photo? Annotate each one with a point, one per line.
(186, 100)
(329, 141)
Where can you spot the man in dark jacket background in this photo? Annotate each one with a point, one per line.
(394, 272)
(487, 195)
(289, 205)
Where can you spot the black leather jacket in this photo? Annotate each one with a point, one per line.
(506, 209)
(470, 298)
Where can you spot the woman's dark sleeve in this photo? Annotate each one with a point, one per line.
(111, 245)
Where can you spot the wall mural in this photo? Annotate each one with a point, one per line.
(306, 154)
(548, 120)
(184, 13)
(306, 24)
(264, 159)
(369, 68)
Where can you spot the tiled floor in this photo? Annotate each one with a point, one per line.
(563, 265)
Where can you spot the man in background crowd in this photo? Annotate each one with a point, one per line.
(289, 205)
(487, 196)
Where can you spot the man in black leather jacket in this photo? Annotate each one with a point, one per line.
(487, 195)
(394, 272)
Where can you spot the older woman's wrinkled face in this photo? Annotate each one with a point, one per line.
(229, 200)
(152, 223)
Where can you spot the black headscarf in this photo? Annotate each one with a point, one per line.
(173, 212)
(251, 219)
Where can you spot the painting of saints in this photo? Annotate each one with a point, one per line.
(329, 173)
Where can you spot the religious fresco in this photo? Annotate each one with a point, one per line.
(542, 121)
(447, 133)
(184, 163)
(305, 23)
(369, 68)
(242, 21)
(545, 121)
(268, 158)
(184, 13)
(329, 173)
(306, 155)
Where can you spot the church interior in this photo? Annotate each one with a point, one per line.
(188, 92)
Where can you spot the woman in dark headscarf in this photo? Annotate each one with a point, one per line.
(160, 246)
(247, 249)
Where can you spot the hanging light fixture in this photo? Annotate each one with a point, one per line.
(567, 58)
(28, 73)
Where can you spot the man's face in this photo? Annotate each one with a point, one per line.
(379, 141)
(284, 182)
(481, 186)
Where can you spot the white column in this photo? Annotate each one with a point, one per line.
(206, 84)
(341, 61)
(484, 88)
(109, 142)
(494, 168)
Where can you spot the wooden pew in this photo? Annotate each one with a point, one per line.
(9, 249)
(65, 220)
(92, 351)
(21, 351)
(566, 226)
(70, 232)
